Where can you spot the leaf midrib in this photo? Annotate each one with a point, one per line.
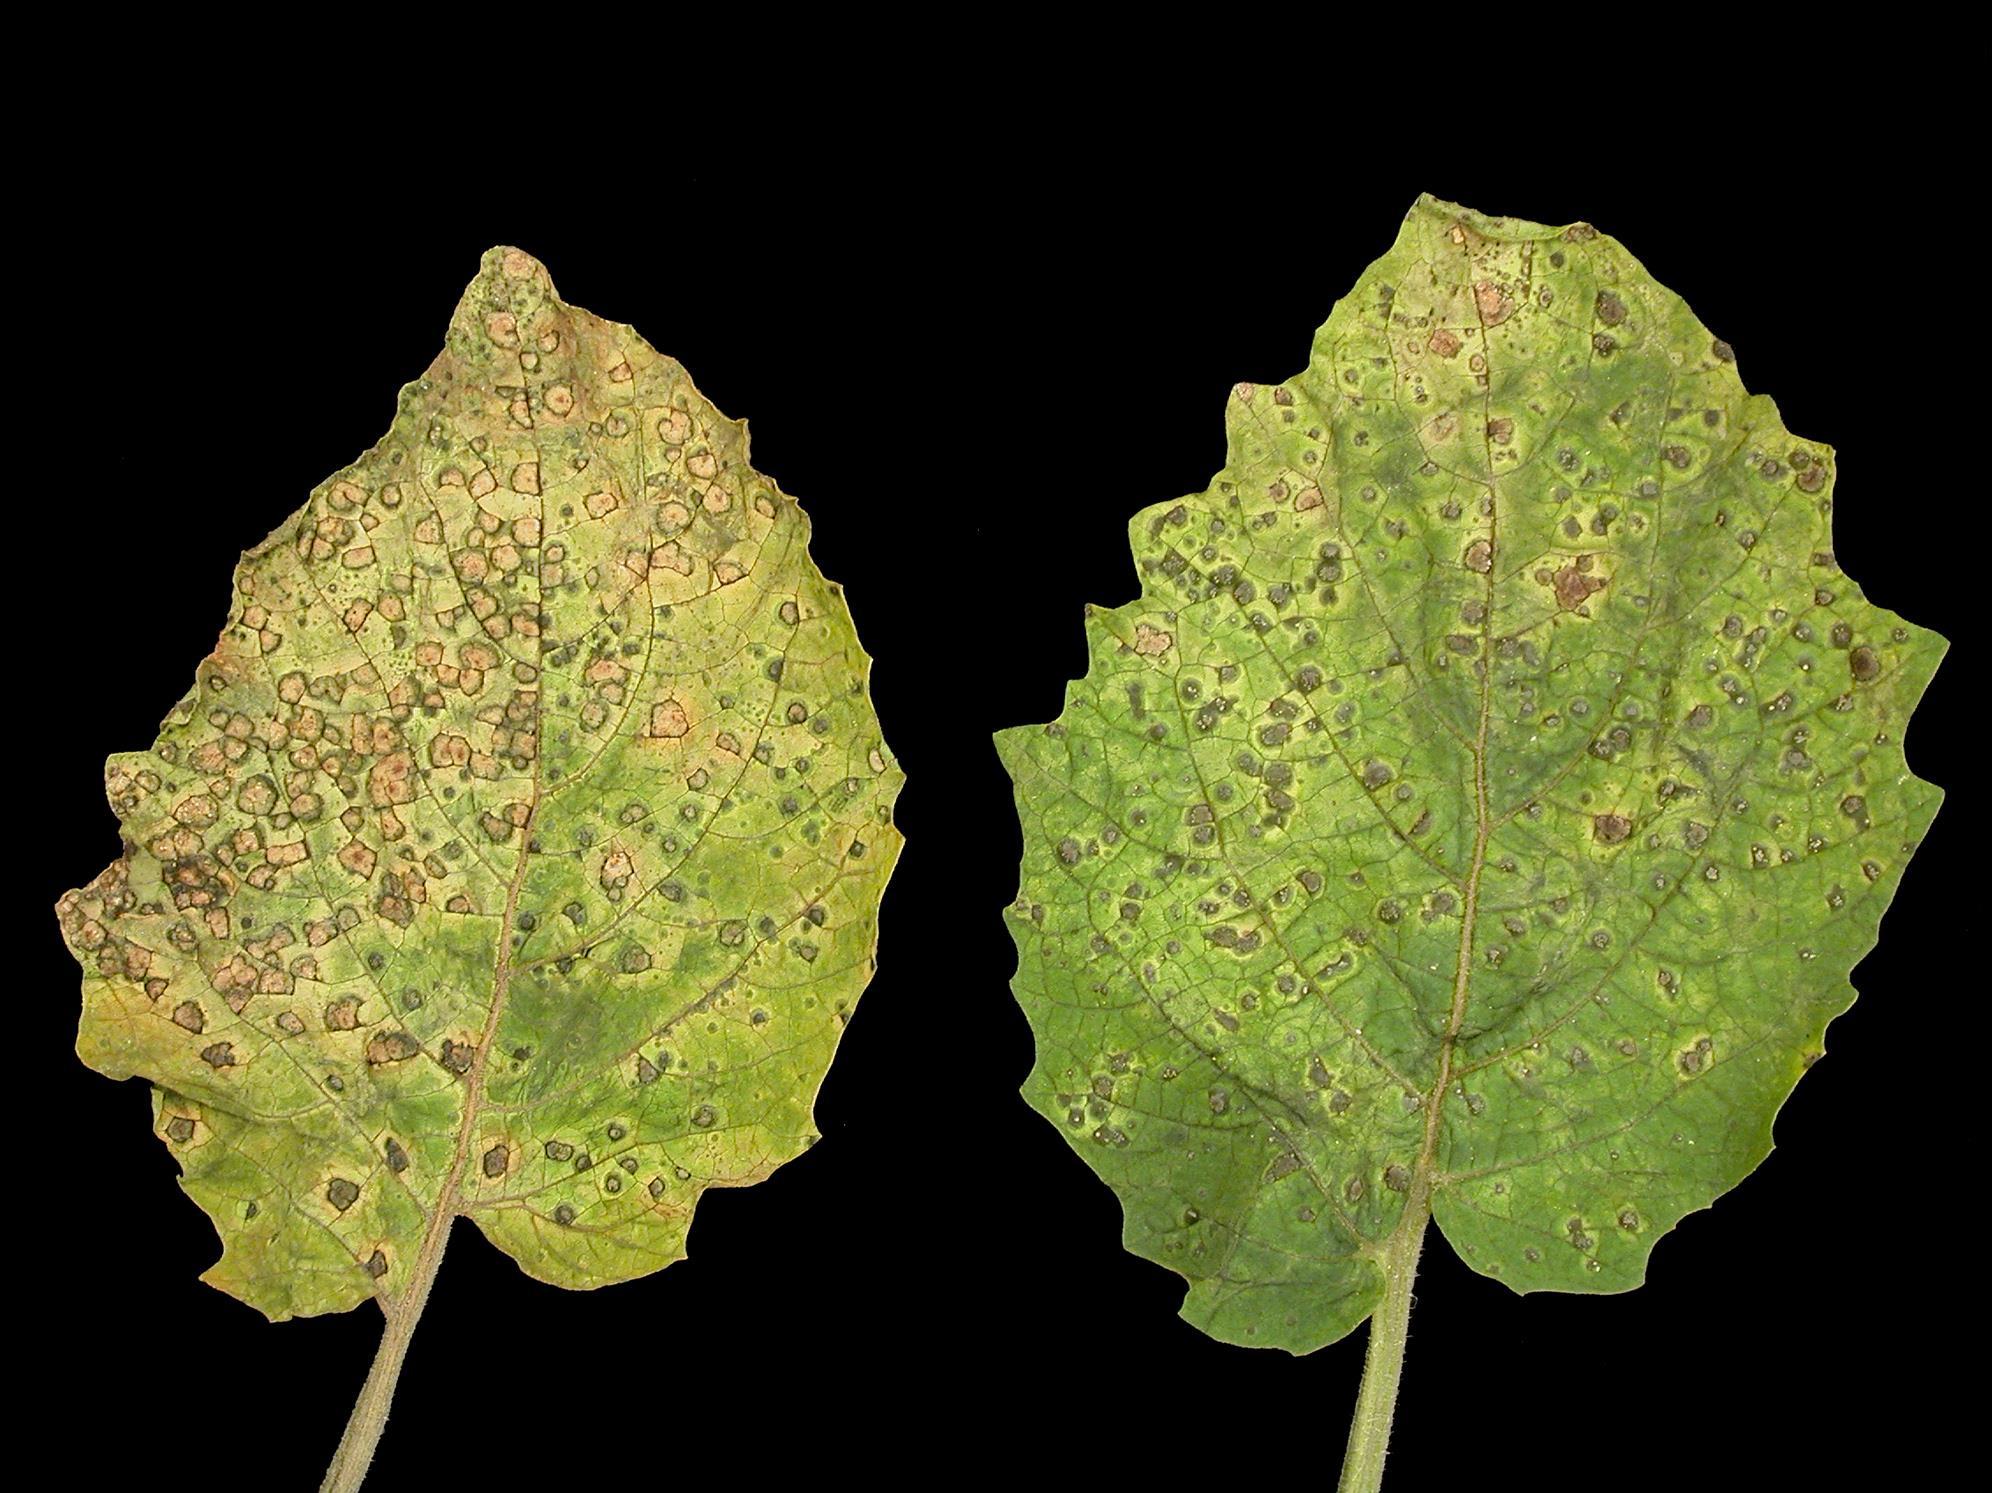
(1418, 1204)
(407, 1308)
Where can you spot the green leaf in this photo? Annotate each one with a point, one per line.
(1479, 812)
(518, 851)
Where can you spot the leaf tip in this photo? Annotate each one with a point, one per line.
(507, 262)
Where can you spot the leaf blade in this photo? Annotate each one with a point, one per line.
(1427, 643)
(531, 811)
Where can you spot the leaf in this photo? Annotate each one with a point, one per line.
(518, 851)
(1480, 810)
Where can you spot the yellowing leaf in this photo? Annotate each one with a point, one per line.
(517, 853)
(1479, 812)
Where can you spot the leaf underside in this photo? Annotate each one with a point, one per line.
(519, 848)
(1485, 800)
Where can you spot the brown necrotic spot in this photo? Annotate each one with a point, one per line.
(1573, 584)
(1863, 663)
(668, 720)
(341, 1193)
(1610, 829)
(392, 780)
(392, 1047)
(1493, 304)
(497, 1159)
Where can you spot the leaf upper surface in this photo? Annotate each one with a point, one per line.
(518, 851)
(1483, 804)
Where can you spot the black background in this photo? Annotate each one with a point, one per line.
(929, 341)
